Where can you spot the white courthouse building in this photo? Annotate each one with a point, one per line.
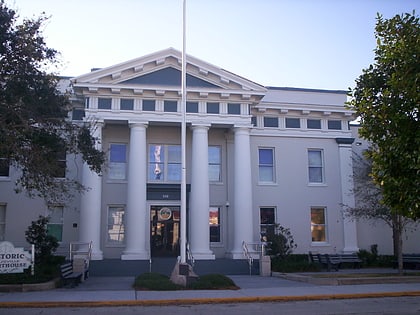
(255, 156)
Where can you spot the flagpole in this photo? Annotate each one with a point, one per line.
(183, 245)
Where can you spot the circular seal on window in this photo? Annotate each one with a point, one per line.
(165, 214)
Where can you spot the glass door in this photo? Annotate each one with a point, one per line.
(164, 229)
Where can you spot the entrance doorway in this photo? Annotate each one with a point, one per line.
(164, 229)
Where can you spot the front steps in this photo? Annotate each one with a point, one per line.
(126, 268)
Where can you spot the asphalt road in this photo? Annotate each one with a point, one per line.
(387, 306)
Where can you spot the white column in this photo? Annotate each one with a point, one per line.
(347, 197)
(90, 203)
(242, 191)
(199, 237)
(136, 216)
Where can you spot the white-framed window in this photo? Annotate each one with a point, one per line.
(334, 124)
(126, 104)
(55, 224)
(215, 164)
(315, 166)
(267, 222)
(117, 161)
(313, 123)
(115, 225)
(214, 223)
(104, 103)
(2, 222)
(266, 165)
(292, 122)
(213, 108)
(318, 224)
(234, 108)
(164, 163)
(271, 122)
(60, 170)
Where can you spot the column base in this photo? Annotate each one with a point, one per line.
(204, 256)
(236, 255)
(97, 256)
(350, 250)
(135, 256)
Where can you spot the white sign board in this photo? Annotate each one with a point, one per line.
(13, 259)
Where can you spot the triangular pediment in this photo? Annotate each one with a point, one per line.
(162, 70)
(169, 77)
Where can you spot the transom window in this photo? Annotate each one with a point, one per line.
(164, 163)
(266, 164)
(313, 124)
(192, 107)
(271, 122)
(318, 224)
(292, 122)
(315, 166)
(126, 104)
(214, 222)
(334, 124)
(115, 225)
(117, 161)
(234, 109)
(55, 224)
(213, 108)
(170, 106)
(215, 164)
(104, 103)
(149, 105)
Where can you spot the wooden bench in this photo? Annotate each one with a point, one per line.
(324, 260)
(335, 261)
(410, 261)
(68, 276)
(351, 259)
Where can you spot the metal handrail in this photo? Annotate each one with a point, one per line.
(80, 248)
(190, 256)
(248, 256)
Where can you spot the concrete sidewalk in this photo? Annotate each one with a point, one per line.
(115, 291)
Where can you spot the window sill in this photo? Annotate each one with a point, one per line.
(317, 185)
(5, 179)
(267, 184)
(320, 244)
(116, 181)
(216, 245)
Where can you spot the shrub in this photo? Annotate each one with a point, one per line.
(281, 244)
(45, 245)
(154, 281)
(293, 263)
(213, 282)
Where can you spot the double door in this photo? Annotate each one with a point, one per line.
(164, 229)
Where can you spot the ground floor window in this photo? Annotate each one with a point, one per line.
(267, 222)
(115, 226)
(214, 221)
(55, 224)
(318, 224)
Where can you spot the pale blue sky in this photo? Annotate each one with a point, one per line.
(296, 43)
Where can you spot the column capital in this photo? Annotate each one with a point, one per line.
(133, 123)
(347, 141)
(200, 126)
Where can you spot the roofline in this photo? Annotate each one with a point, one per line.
(306, 90)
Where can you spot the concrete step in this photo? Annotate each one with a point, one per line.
(124, 268)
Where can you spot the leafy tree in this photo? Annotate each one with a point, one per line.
(386, 98)
(370, 204)
(45, 244)
(34, 124)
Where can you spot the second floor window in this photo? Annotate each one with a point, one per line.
(266, 165)
(214, 164)
(164, 163)
(315, 166)
(55, 224)
(117, 161)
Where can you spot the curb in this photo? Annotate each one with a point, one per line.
(173, 302)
